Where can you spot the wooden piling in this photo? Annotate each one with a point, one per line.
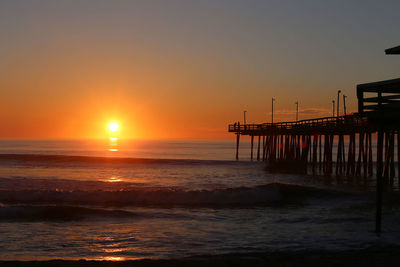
(365, 158)
(251, 150)
(360, 153)
(351, 158)
(339, 156)
(237, 145)
(398, 155)
(320, 153)
(370, 163)
(325, 159)
(263, 150)
(391, 163)
(379, 186)
(386, 160)
(330, 167)
(314, 154)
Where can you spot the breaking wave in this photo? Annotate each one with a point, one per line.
(50, 213)
(73, 213)
(269, 194)
(68, 161)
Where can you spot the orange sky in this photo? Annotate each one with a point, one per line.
(182, 70)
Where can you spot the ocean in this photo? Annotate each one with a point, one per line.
(126, 200)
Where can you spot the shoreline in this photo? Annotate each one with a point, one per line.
(384, 256)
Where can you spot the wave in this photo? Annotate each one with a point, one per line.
(61, 160)
(73, 213)
(269, 194)
(55, 213)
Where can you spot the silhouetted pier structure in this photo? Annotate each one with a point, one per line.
(308, 144)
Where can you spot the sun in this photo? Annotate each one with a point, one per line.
(113, 127)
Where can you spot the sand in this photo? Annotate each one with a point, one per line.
(367, 257)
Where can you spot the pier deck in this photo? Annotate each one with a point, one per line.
(347, 124)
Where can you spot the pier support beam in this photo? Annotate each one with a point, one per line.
(370, 163)
(237, 145)
(391, 149)
(365, 158)
(314, 154)
(320, 153)
(386, 159)
(252, 143)
(379, 186)
(351, 157)
(398, 155)
(360, 153)
(340, 160)
(263, 150)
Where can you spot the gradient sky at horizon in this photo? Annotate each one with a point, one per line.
(183, 69)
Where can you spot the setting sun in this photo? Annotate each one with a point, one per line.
(113, 127)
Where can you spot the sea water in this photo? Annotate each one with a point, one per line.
(117, 200)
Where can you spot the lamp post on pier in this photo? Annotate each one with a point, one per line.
(297, 110)
(338, 100)
(244, 116)
(272, 119)
(344, 103)
(333, 108)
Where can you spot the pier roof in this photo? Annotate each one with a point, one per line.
(387, 86)
(393, 51)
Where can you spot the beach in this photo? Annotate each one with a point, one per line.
(368, 257)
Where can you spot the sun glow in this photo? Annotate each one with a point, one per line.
(113, 145)
(113, 127)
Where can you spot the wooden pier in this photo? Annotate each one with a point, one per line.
(308, 145)
(310, 142)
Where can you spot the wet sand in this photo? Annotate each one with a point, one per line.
(368, 257)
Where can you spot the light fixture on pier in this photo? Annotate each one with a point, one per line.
(338, 100)
(272, 115)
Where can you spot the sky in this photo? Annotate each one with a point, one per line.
(171, 69)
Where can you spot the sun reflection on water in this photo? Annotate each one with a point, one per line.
(111, 258)
(113, 179)
(113, 145)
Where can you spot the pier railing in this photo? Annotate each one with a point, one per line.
(352, 121)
